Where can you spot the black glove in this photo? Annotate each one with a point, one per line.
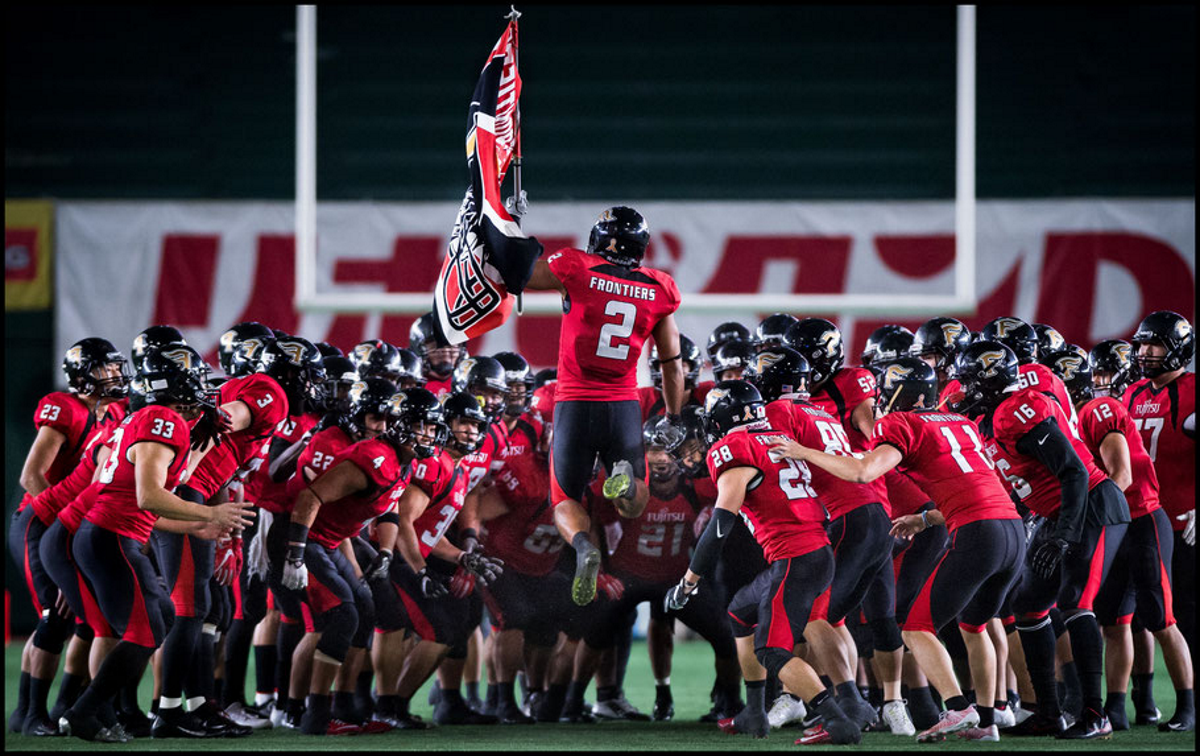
(213, 423)
(678, 596)
(1048, 557)
(378, 569)
(432, 585)
(670, 433)
(470, 540)
(484, 568)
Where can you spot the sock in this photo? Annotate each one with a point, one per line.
(290, 634)
(492, 699)
(385, 706)
(237, 659)
(1143, 693)
(317, 717)
(262, 699)
(199, 682)
(17, 720)
(1072, 684)
(125, 662)
(129, 697)
(969, 694)
(1087, 643)
(295, 708)
(364, 703)
(920, 705)
(107, 714)
(153, 706)
(1014, 698)
(264, 673)
(1185, 705)
(875, 697)
(39, 696)
(756, 697)
(1001, 704)
(473, 691)
(451, 696)
(402, 707)
(505, 695)
(662, 692)
(606, 692)
(827, 681)
(575, 691)
(847, 692)
(343, 705)
(68, 691)
(179, 655)
(1115, 701)
(957, 703)
(1038, 644)
(556, 696)
(987, 716)
(773, 688)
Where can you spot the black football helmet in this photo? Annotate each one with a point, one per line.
(254, 336)
(368, 396)
(410, 370)
(154, 336)
(1015, 334)
(772, 331)
(544, 376)
(1172, 331)
(1113, 368)
(689, 353)
(731, 404)
(730, 330)
(905, 383)
(519, 377)
(732, 355)
(887, 343)
(691, 448)
(484, 378)
(340, 376)
(654, 439)
(1048, 339)
(296, 364)
(464, 406)
(776, 372)
(986, 370)
(1074, 371)
(329, 350)
(942, 338)
(819, 342)
(90, 356)
(174, 375)
(422, 340)
(376, 359)
(417, 407)
(620, 236)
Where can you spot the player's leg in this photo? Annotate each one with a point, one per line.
(887, 659)
(572, 459)
(1114, 606)
(625, 459)
(55, 550)
(703, 614)
(1155, 606)
(52, 631)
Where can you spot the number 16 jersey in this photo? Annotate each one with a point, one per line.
(608, 312)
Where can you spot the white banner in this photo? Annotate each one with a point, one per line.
(1091, 268)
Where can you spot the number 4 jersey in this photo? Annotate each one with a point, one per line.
(608, 313)
(780, 509)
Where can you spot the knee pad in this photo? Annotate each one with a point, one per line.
(52, 632)
(340, 623)
(773, 659)
(886, 634)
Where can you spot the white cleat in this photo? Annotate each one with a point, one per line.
(241, 715)
(786, 709)
(985, 734)
(1020, 715)
(950, 722)
(895, 716)
(1005, 718)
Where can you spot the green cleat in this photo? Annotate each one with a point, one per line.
(587, 567)
(620, 483)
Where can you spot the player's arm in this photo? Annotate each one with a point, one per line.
(1114, 455)
(491, 504)
(239, 413)
(411, 505)
(543, 279)
(468, 518)
(863, 416)
(666, 340)
(206, 531)
(860, 468)
(101, 460)
(151, 461)
(731, 493)
(1048, 445)
(283, 457)
(343, 479)
(347, 550)
(908, 526)
(41, 455)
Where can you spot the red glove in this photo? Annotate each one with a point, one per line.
(462, 584)
(613, 588)
(702, 521)
(228, 560)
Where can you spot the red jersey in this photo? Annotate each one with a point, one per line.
(116, 506)
(608, 313)
(839, 396)
(1041, 378)
(905, 496)
(526, 537)
(652, 403)
(1105, 415)
(479, 462)
(268, 408)
(446, 485)
(817, 429)
(341, 519)
(439, 387)
(50, 502)
(944, 454)
(541, 406)
(260, 488)
(1026, 477)
(67, 414)
(655, 545)
(314, 459)
(1159, 415)
(72, 515)
(522, 439)
(781, 511)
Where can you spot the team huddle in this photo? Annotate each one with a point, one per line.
(970, 534)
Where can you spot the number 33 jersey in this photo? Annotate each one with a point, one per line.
(608, 313)
(780, 509)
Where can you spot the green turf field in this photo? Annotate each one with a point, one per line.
(691, 680)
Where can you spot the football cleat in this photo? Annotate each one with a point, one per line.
(950, 722)
(342, 727)
(1038, 725)
(1148, 718)
(458, 713)
(985, 734)
(40, 728)
(375, 726)
(618, 708)
(745, 724)
(1093, 725)
(839, 732)
(620, 484)
(1005, 718)
(1179, 723)
(242, 715)
(664, 710)
(895, 716)
(786, 710)
(587, 567)
(177, 723)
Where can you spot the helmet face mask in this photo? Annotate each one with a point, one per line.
(939, 341)
(94, 367)
(519, 378)
(1113, 368)
(416, 423)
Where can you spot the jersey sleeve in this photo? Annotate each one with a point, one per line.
(59, 412)
(564, 264)
(673, 297)
(161, 425)
(1102, 417)
(857, 385)
(267, 403)
(429, 475)
(730, 452)
(1016, 416)
(892, 429)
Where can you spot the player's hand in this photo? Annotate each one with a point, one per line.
(611, 585)
(1189, 528)
(678, 596)
(432, 585)
(61, 607)
(470, 541)
(1048, 557)
(295, 573)
(702, 521)
(518, 205)
(485, 568)
(670, 433)
(788, 449)
(907, 526)
(233, 515)
(228, 561)
(379, 566)
(462, 584)
(214, 422)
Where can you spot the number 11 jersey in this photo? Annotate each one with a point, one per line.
(608, 313)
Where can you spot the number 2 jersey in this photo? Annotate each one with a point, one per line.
(780, 508)
(944, 454)
(608, 313)
(115, 507)
(1159, 415)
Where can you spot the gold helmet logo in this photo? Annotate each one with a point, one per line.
(1123, 351)
(139, 344)
(293, 350)
(363, 352)
(1068, 366)
(251, 347)
(830, 341)
(714, 396)
(765, 360)
(1056, 340)
(181, 357)
(1004, 325)
(356, 391)
(396, 403)
(991, 362)
(1182, 329)
(227, 340)
(893, 374)
(75, 354)
(951, 332)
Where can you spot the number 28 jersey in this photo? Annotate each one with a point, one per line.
(608, 313)
(780, 509)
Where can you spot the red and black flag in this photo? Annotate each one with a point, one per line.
(489, 259)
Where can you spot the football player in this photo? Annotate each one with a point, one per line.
(731, 359)
(614, 305)
(650, 398)
(725, 333)
(772, 331)
(938, 342)
(438, 362)
(1022, 339)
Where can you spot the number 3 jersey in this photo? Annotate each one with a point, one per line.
(608, 313)
(115, 507)
(341, 519)
(268, 407)
(445, 483)
(1160, 416)
(944, 454)
(1030, 480)
(780, 508)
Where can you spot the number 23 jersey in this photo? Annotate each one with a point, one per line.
(780, 509)
(608, 313)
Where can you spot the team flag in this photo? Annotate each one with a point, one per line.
(489, 259)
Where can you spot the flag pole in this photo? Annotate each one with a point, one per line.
(517, 209)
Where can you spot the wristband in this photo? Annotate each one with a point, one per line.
(925, 519)
(297, 533)
(388, 517)
(670, 359)
(470, 533)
